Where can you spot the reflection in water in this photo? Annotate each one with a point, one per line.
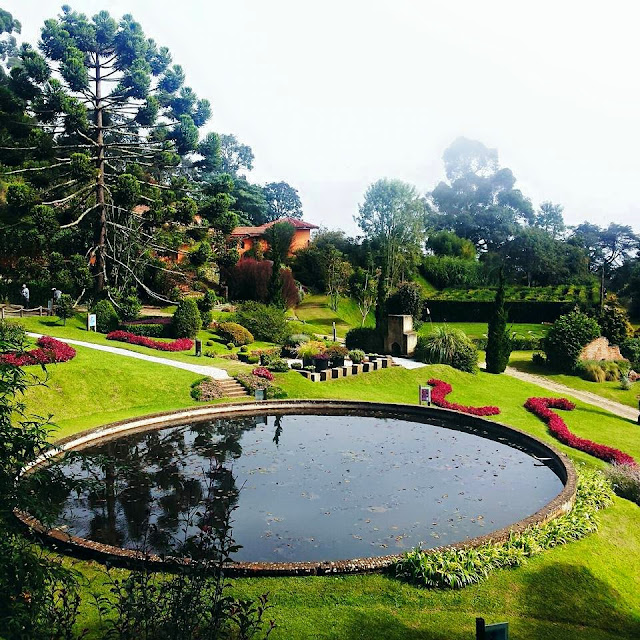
(327, 488)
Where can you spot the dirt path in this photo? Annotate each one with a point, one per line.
(612, 406)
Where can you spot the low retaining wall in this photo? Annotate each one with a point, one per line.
(81, 547)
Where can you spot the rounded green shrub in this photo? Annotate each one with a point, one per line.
(448, 346)
(264, 322)
(566, 338)
(365, 338)
(106, 317)
(630, 349)
(614, 324)
(129, 308)
(186, 320)
(235, 333)
(356, 356)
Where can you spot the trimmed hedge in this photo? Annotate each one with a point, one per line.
(235, 333)
(365, 338)
(474, 311)
(147, 330)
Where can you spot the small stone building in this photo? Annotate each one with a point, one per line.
(401, 339)
(600, 349)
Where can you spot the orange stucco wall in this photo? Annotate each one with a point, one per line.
(301, 239)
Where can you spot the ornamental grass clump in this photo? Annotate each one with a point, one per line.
(625, 480)
(458, 568)
(445, 345)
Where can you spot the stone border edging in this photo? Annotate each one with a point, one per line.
(88, 549)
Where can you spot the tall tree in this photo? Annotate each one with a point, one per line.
(498, 340)
(480, 201)
(337, 276)
(363, 288)
(120, 119)
(549, 217)
(283, 201)
(279, 237)
(393, 215)
(234, 155)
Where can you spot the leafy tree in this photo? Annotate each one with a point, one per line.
(392, 215)
(283, 201)
(480, 201)
(407, 299)
(278, 237)
(447, 243)
(614, 323)
(566, 338)
(186, 321)
(64, 307)
(234, 156)
(249, 202)
(363, 288)
(337, 278)
(118, 118)
(498, 340)
(8, 47)
(549, 217)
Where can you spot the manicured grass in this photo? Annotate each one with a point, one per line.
(479, 329)
(521, 360)
(584, 590)
(318, 317)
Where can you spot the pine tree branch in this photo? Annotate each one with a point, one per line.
(79, 218)
(73, 195)
(51, 166)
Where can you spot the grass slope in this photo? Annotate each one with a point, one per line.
(316, 316)
(584, 590)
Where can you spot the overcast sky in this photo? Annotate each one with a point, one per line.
(333, 95)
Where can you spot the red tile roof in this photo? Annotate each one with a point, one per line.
(256, 232)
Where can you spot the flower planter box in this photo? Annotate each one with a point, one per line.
(356, 369)
(337, 362)
(321, 364)
(366, 367)
(324, 375)
(347, 370)
(336, 372)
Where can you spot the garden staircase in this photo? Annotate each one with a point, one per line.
(231, 388)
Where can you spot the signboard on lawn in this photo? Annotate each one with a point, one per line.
(425, 395)
(92, 322)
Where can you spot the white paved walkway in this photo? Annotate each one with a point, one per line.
(203, 370)
(407, 363)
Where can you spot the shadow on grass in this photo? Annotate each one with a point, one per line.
(567, 594)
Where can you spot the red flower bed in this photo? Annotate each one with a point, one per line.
(181, 344)
(541, 407)
(441, 389)
(262, 372)
(49, 351)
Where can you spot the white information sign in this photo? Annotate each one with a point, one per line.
(91, 322)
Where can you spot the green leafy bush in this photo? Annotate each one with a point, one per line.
(447, 271)
(614, 324)
(186, 320)
(235, 333)
(407, 299)
(129, 307)
(356, 356)
(630, 349)
(12, 333)
(206, 302)
(458, 568)
(265, 322)
(207, 318)
(279, 365)
(566, 338)
(147, 330)
(448, 346)
(107, 319)
(365, 338)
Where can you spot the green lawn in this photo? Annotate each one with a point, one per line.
(521, 360)
(479, 329)
(316, 316)
(587, 589)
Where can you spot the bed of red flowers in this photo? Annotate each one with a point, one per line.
(49, 351)
(440, 389)
(541, 407)
(181, 344)
(263, 372)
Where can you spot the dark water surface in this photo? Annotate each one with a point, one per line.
(306, 487)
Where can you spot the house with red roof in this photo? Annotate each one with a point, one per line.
(246, 238)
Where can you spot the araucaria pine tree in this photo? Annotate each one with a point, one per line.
(498, 340)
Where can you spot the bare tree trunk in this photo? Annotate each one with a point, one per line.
(102, 210)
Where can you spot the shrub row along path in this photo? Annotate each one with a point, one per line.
(612, 406)
(212, 372)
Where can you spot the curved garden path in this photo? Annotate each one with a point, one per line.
(612, 406)
(213, 372)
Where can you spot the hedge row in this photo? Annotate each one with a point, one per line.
(470, 311)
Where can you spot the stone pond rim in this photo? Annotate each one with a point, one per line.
(557, 461)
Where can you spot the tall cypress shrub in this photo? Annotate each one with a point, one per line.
(498, 340)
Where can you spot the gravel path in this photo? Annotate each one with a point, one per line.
(203, 370)
(612, 406)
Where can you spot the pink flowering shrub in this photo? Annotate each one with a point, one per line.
(49, 351)
(181, 344)
(441, 389)
(541, 407)
(263, 372)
